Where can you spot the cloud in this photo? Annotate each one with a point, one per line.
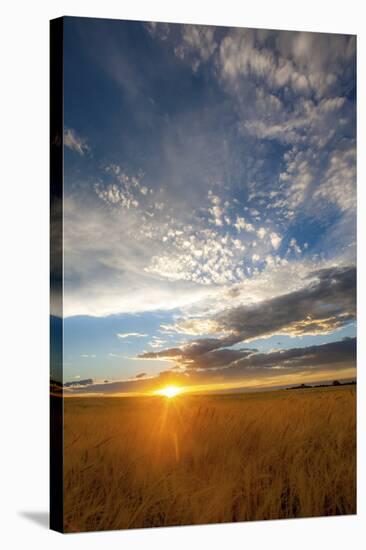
(197, 208)
(75, 142)
(311, 363)
(342, 352)
(303, 62)
(202, 355)
(131, 334)
(294, 246)
(275, 240)
(122, 190)
(157, 342)
(326, 303)
(110, 266)
(241, 224)
(188, 353)
(203, 256)
(313, 118)
(229, 365)
(192, 326)
(339, 181)
(278, 149)
(79, 383)
(164, 257)
(113, 194)
(197, 44)
(261, 232)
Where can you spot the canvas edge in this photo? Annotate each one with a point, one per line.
(56, 521)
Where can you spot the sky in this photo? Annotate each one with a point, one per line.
(209, 206)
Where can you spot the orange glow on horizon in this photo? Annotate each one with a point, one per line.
(260, 383)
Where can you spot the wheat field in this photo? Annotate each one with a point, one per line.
(150, 461)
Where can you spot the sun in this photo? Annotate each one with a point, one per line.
(169, 391)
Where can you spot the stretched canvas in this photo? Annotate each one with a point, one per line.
(203, 274)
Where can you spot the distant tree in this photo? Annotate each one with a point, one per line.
(336, 383)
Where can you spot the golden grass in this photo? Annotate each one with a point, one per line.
(151, 461)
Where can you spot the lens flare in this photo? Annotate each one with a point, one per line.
(169, 391)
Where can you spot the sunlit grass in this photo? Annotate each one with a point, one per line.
(145, 462)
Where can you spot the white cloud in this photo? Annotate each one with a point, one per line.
(75, 142)
(294, 246)
(217, 212)
(339, 184)
(155, 255)
(193, 327)
(261, 232)
(276, 240)
(239, 56)
(298, 176)
(157, 342)
(241, 224)
(131, 334)
(162, 30)
(122, 190)
(304, 62)
(278, 279)
(197, 44)
(114, 194)
(107, 260)
(238, 244)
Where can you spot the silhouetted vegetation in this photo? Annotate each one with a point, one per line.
(334, 383)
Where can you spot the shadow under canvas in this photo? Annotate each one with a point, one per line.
(40, 518)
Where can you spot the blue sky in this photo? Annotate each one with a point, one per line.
(209, 203)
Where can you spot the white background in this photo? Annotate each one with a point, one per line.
(24, 273)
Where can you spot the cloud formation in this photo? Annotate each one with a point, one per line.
(325, 304)
(326, 360)
(74, 142)
(123, 335)
(218, 205)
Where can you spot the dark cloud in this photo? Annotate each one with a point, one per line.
(328, 302)
(219, 358)
(342, 353)
(76, 383)
(330, 357)
(189, 352)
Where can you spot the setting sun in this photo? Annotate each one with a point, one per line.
(169, 391)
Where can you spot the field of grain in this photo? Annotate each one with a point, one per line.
(150, 461)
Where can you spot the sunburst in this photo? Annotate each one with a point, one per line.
(169, 391)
